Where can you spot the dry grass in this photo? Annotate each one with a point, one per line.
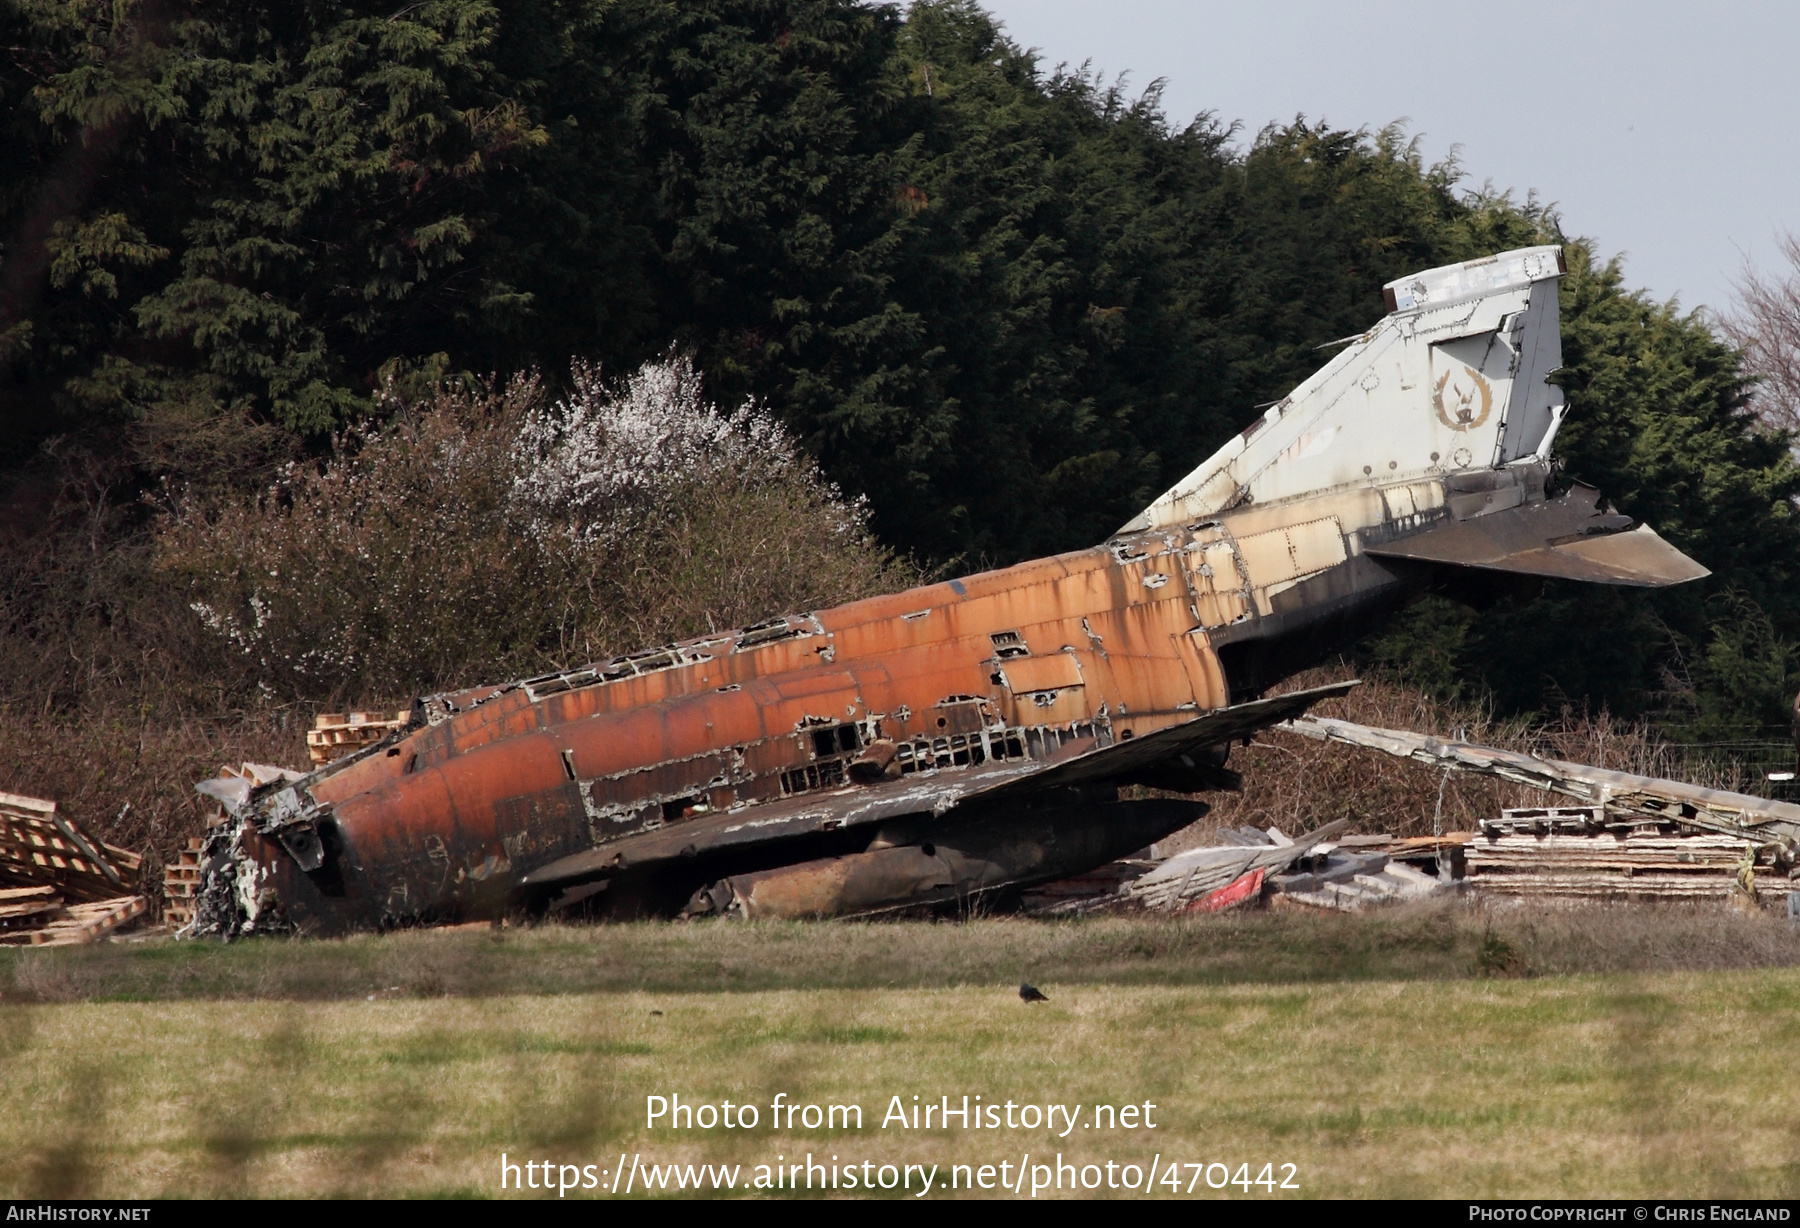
(1638, 1085)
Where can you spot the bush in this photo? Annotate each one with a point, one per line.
(486, 532)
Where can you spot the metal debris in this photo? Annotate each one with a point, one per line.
(1090, 891)
(1190, 876)
(234, 784)
(1624, 801)
(958, 868)
(1349, 882)
(1637, 837)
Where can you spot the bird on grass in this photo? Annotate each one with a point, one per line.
(1029, 993)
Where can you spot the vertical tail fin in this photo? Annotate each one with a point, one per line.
(1455, 376)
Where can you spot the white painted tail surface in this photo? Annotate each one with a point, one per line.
(1454, 377)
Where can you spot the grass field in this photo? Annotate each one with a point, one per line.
(1615, 1054)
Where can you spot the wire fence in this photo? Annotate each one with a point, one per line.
(1760, 768)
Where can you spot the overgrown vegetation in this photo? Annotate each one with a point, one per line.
(487, 532)
(480, 531)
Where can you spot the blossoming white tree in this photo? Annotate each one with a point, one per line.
(489, 532)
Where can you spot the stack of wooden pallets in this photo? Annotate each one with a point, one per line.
(1578, 852)
(336, 734)
(59, 885)
(39, 847)
(181, 883)
(23, 909)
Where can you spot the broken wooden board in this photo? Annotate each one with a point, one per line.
(24, 908)
(1552, 885)
(79, 923)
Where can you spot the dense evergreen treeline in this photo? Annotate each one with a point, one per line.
(1010, 306)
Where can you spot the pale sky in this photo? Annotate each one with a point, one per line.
(1668, 132)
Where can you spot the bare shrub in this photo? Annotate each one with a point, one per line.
(487, 533)
(127, 773)
(392, 565)
(38, 976)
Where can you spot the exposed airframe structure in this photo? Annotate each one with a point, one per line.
(970, 737)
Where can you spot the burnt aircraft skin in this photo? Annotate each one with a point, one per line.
(1001, 668)
(981, 717)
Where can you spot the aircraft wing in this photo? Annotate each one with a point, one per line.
(1083, 761)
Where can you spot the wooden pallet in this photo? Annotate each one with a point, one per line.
(79, 923)
(1635, 887)
(336, 734)
(27, 908)
(41, 847)
(181, 883)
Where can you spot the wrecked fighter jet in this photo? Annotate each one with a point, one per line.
(970, 738)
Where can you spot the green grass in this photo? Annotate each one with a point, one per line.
(1421, 943)
(265, 1068)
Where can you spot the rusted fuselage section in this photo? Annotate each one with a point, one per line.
(1007, 668)
(970, 737)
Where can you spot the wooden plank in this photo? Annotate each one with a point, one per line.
(34, 806)
(1604, 886)
(84, 923)
(30, 908)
